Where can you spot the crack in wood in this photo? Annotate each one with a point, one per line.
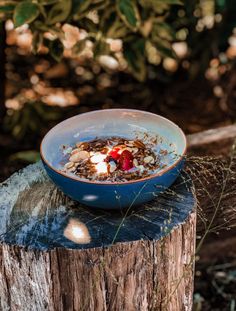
(51, 272)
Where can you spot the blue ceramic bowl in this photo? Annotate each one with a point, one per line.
(126, 123)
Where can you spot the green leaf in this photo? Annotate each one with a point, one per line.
(163, 30)
(56, 31)
(164, 48)
(59, 12)
(29, 156)
(101, 48)
(118, 30)
(41, 26)
(42, 10)
(79, 46)
(79, 6)
(113, 26)
(128, 12)
(98, 5)
(158, 6)
(134, 55)
(88, 24)
(155, 3)
(56, 49)
(37, 42)
(7, 6)
(47, 2)
(25, 12)
(178, 2)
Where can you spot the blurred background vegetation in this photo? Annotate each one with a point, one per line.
(163, 56)
(59, 58)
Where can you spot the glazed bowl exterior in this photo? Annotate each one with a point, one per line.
(126, 123)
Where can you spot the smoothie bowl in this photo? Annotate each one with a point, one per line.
(114, 158)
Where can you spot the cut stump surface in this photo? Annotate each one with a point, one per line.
(57, 254)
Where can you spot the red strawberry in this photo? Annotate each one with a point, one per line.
(126, 160)
(114, 153)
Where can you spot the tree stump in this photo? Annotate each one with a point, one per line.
(56, 254)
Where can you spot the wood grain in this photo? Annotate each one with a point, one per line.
(45, 266)
(216, 141)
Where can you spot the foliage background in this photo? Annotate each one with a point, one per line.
(99, 43)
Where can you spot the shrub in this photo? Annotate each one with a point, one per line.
(141, 25)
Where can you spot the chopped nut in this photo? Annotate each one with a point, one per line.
(141, 168)
(82, 145)
(69, 165)
(78, 156)
(149, 159)
(134, 150)
(105, 150)
(139, 144)
(163, 152)
(74, 151)
(130, 143)
(78, 145)
(127, 175)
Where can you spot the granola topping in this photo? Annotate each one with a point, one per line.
(112, 159)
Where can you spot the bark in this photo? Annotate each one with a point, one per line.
(216, 141)
(44, 266)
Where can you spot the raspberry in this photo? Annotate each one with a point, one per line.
(114, 153)
(126, 160)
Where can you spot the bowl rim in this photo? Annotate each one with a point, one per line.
(160, 173)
